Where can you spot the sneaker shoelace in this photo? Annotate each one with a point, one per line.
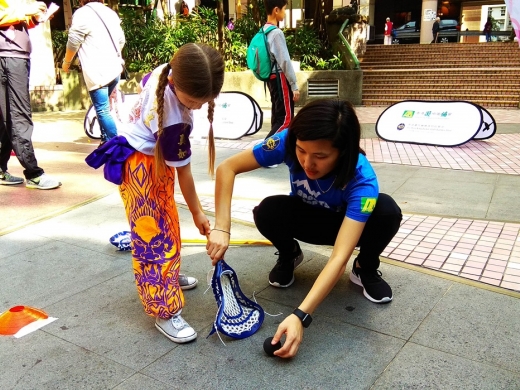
(183, 279)
(371, 277)
(178, 322)
(287, 261)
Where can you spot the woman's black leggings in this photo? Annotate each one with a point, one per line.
(283, 218)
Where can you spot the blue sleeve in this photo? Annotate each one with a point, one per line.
(272, 150)
(362, 192)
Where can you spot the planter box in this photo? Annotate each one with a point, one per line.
(340, 84)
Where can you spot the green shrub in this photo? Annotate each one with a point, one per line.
(151, 42)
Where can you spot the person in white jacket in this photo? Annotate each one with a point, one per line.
(96, 35)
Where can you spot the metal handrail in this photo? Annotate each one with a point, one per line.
(353, 56)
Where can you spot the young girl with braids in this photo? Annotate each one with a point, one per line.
(143, 160)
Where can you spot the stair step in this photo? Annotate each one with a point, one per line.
(485, 104)
(486, 74)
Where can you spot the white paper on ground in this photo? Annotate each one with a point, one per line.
(33, 326)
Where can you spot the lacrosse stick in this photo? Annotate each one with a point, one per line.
(237, 316)
(122, 241)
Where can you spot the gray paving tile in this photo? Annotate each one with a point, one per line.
(505, 204)
(18, 242)
(42, 361)
(443, 192)
(53, 271)
(391, 179)
(475, 324)
(109, 320)
(346, 302)
(140, 381)
(418, 367)
(332, 353)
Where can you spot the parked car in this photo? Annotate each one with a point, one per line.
(410, 32)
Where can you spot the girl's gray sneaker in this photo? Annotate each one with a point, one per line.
(187, 282)
(176, 329)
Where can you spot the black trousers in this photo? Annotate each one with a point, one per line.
(16, 126)
(282, 103)
(283, 218)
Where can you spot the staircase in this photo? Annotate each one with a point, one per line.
(487, 74)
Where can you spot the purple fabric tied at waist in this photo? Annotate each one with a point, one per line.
(113, 155)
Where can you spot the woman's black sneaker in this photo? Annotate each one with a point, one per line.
(282, 274)
(375, 289)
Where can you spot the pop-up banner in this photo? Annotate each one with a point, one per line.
(236, 115)
(439, 123)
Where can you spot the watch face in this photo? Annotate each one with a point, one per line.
(305, 318)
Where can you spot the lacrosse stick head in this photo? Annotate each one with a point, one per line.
(237, 316)
(121, 241)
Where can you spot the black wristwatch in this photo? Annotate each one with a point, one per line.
(304, 317)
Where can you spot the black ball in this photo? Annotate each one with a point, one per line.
(270, 348)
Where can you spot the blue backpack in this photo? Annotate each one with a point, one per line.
(258, 56)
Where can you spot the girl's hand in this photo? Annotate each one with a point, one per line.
(202, 223)
(218, 243)
(292, 327)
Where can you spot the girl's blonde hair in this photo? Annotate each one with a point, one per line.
(198, 71)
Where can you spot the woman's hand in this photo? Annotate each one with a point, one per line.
(65, 66)
(292, 327)
(218, 243)
(202, 223)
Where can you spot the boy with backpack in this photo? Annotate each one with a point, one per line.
(282, 80)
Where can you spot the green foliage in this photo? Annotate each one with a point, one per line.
(305, 45)
(59, 45)
(151, 42)
(234, 51)
(246, 27)
(334, 63)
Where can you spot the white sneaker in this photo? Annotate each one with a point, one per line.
(176, 329)
(187, 282)
(43, 182)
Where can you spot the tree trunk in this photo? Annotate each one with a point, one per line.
(256, 12)
(220, 27)
(114, 4)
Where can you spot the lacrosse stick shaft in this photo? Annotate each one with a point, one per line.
(197, 241)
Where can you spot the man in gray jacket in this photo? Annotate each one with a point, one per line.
(16, 126)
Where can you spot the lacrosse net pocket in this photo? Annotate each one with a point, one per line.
(122, 241)
(237, 316)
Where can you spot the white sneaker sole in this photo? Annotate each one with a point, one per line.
(178, 340)
(356, 280)
(189, 286)
(37, 186)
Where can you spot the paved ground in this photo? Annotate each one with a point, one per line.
(445, 329)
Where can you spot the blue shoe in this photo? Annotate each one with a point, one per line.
(7, 179)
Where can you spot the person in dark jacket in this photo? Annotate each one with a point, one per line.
(487, 29)
(16, 125)
(435, 29)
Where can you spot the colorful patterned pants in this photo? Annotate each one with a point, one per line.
(155, 232)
